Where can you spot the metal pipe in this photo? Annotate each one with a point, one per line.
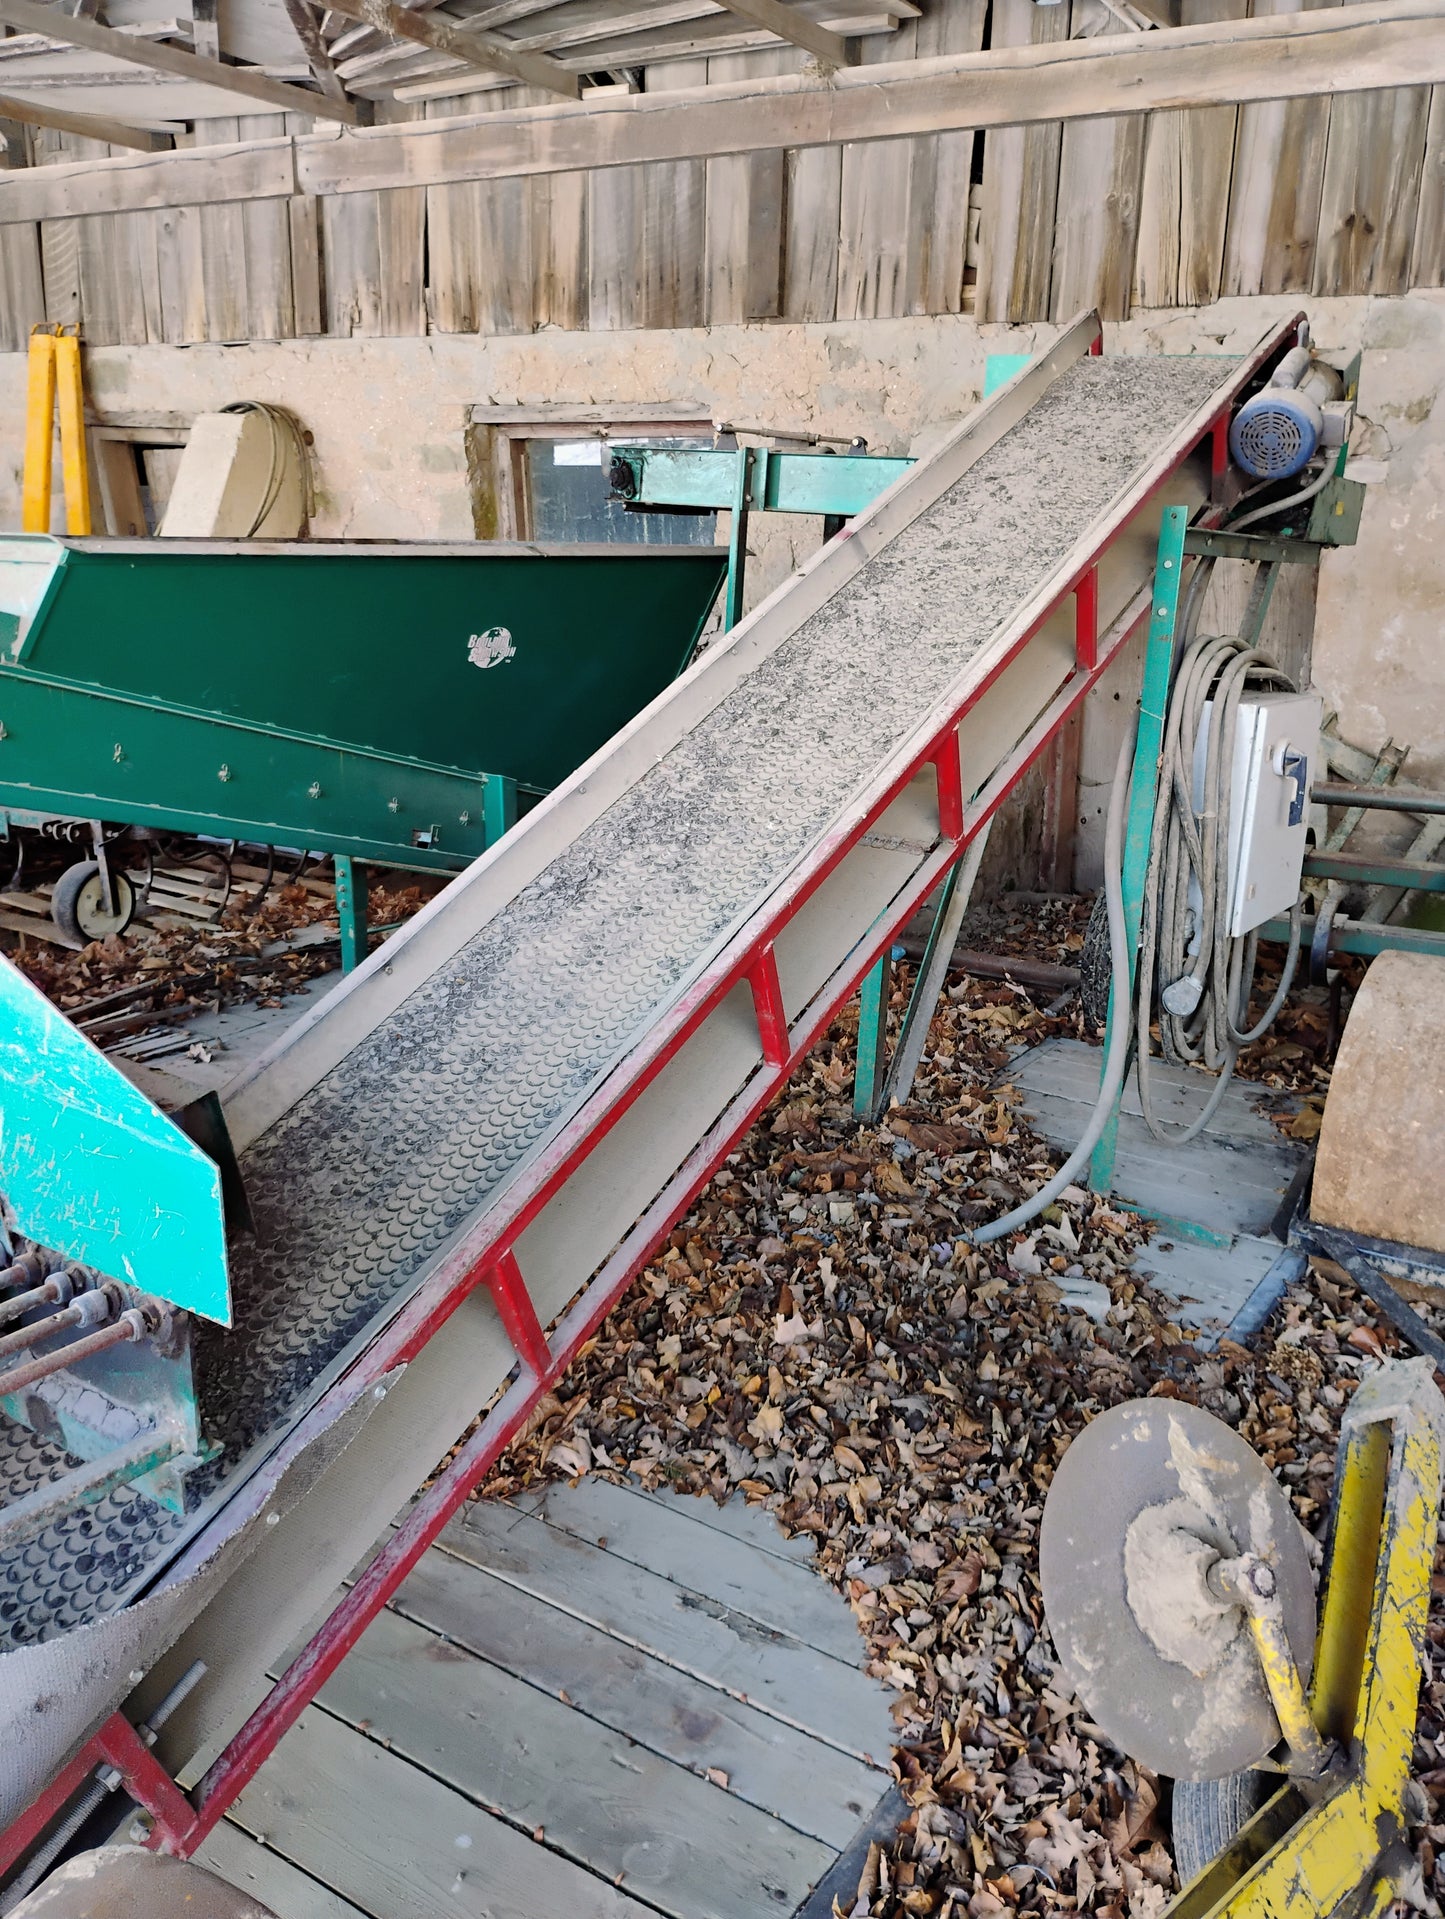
(1386, 799)
(89, 1309)
(130, 1325)
(58, 1290)
(39, 1329)
(26, 1271)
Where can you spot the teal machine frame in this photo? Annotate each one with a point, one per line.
(387, 702)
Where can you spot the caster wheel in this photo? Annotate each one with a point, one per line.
(78, 903)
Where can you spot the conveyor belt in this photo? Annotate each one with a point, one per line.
(364, 1182)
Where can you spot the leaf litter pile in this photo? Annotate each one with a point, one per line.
(168, 972)
(820, 1337)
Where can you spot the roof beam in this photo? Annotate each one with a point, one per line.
(792, 26)
(1349, 49)
(308, 31)
(89, 126)
(482, 52)
(32, 17)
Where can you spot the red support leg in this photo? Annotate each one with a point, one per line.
(1086, 620)
(950, 786)
(18, 1838)
(1218, 458)
(148, 1782)
(768, 1005)
(518, 1314)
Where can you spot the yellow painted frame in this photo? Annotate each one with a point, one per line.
(55, 385)
(1318, 1847)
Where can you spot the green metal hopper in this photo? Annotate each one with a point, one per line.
(385, 701)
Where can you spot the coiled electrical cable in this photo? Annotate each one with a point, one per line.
(1204, 974)
(283, 425)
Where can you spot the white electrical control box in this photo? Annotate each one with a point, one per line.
(1276, 753)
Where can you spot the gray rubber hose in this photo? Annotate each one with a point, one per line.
(1117, 1062)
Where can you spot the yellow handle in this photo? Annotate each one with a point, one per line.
(74, 466)
(39, 432)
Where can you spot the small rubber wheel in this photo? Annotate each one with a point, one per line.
(1096, 966)
(78, 903)
(1209, 1813)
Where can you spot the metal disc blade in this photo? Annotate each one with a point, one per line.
(126, 1882)
(1138, 1481)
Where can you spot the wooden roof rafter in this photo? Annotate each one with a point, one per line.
(480, 51)
(305, 19)
(86, 126)
(31, 16)
(790, 25)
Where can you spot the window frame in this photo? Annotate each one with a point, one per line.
(496, 440)
(115, 447)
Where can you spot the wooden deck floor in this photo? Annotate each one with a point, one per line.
(1226, 1185)
(594, 1704)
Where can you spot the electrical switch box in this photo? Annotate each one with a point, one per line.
(1276, 751)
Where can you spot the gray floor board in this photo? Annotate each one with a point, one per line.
(809, 1689)
(660, 1536)
(754, 1525)
(814, 1788)
(1229, 1181)
(683, 1843)
(402, 1845)
(1212, 1282)
(1224, 1188)
(251, 1867)
(1071, 1068)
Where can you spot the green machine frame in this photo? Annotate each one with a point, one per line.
(394, 703)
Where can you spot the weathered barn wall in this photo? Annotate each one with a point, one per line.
(1143, 212)
(389, 418)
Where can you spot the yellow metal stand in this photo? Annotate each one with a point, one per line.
(1335, 1843)
(55, 385)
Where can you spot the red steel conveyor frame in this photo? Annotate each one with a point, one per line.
(183, 1820)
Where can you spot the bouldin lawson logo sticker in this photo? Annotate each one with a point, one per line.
(492, 648)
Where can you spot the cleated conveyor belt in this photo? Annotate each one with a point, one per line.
(369, 1176)
(398, 1113)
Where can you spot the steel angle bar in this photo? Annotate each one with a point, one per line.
(932, 971)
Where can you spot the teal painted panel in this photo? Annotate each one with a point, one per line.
(818, 483)
(1000, 368)
(514, 660)
(124, 758)
(94, 1171)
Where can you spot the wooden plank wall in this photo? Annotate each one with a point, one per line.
(1142, 212)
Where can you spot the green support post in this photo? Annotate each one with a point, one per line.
(1143, 795)
(499, 806)
(738, 539)
(351, 910)
(873, 998)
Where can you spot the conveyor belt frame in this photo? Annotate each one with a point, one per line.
(485, 1256)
